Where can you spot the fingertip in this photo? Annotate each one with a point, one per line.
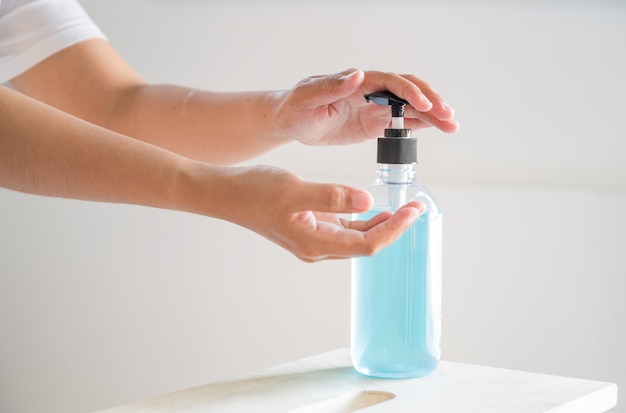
(452, 126)
(447, 112)
(410, 213)
(427, 104)
(417, 206)
(413, 214)
(421, 208)
(421, 103)
(457, 126)
(362, 201)
(417, 99)
(352, 81)
(338, 86)
(355, 74)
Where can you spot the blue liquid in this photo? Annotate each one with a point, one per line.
(396, 304)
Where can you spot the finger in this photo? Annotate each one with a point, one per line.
(340, 199)
(323, 90)
(385, 228)
(400, 86)
(422, 97)
(388, 231)
(424, 120)
(440, 108)
(362, 238)
(363, 226)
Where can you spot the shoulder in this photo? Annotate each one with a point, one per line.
(32, 30)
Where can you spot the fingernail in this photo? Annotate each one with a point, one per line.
(448, 109)
(414, 216)
(351, 75)
(361, 201)
(456, 126)
(427, 102)
(419, 207)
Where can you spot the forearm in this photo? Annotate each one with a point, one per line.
(219, 128)
(45, 151)
(91, 81)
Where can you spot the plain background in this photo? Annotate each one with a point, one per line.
(102, 304)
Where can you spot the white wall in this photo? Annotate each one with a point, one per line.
(106, 304)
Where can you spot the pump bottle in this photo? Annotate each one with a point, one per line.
(396, 294)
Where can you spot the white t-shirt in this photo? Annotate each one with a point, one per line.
(32, 30)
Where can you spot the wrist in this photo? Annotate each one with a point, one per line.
(275, 102)
(196, 188)
(210, 190)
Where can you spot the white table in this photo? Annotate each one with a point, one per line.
(327, 383)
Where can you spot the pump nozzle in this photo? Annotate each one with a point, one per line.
(397, 147)
(397, 106)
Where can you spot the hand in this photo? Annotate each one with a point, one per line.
(302, 216)
(332, 110)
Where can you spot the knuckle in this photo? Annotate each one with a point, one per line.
(307, 253)
(372, 247)
(284, 184)
(370, 250)
(307, 260)
(335, 199)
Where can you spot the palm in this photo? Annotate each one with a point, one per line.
(329, 231)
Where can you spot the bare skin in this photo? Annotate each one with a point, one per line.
(87, 126)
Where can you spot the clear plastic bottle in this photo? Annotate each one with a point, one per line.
(396, 294)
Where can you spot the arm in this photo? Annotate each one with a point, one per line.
(91, 81)
(46, 151)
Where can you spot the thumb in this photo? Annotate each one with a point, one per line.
(324, 90)
(331, 198)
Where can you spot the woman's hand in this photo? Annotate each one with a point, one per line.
(332, 110)
(303, 217)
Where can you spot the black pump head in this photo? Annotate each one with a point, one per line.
(387, 98)
(397, 147)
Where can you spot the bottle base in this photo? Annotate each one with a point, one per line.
(400, 372)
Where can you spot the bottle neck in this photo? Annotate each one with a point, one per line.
(396, 173)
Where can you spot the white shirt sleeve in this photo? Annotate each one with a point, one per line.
(32, 30)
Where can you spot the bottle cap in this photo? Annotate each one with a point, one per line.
(397, 151)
